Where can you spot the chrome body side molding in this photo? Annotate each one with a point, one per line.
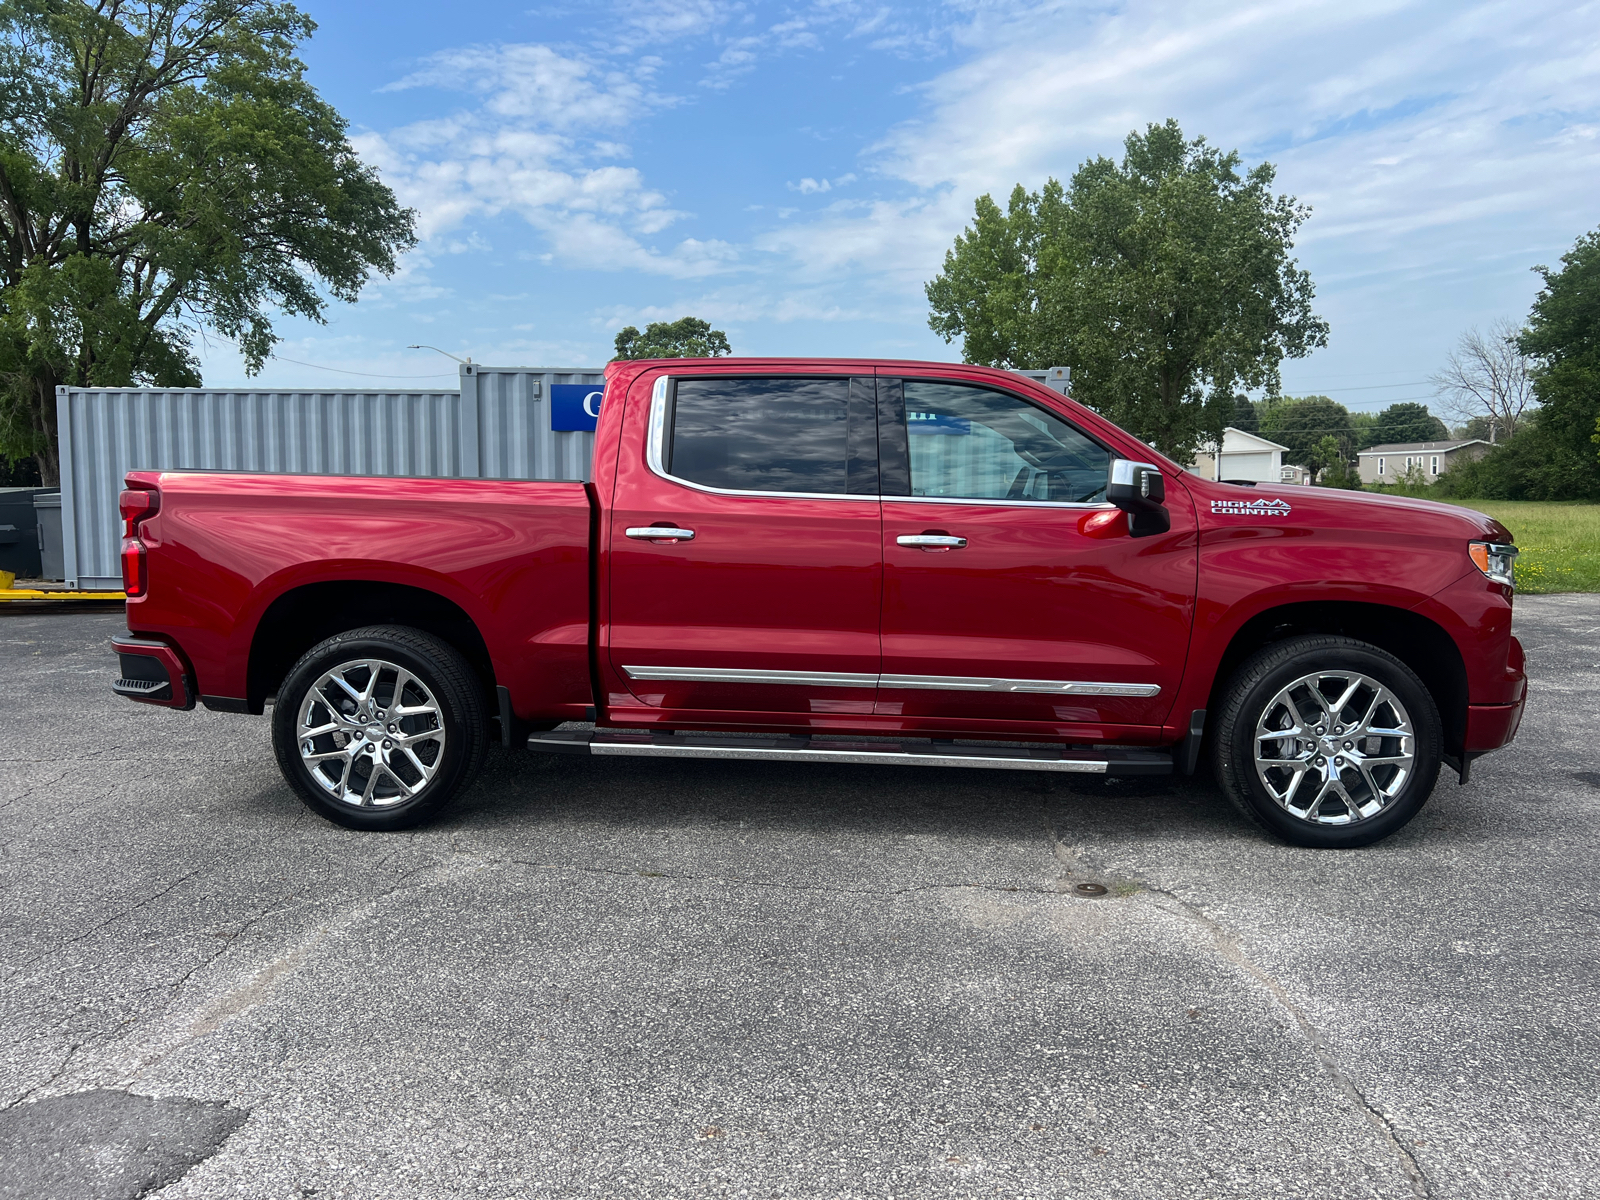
(1048, 687)
(938, 683)
(720, 675)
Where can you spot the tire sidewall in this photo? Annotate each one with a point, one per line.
(453, 705)
(1239, 764)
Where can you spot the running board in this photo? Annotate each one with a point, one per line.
(885, 753)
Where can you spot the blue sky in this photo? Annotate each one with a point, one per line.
(794, 172)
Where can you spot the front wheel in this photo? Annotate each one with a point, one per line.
(378, 728)
(1327, 741)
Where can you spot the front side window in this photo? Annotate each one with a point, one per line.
(1433, 465)
(973, 443)
(761, 435)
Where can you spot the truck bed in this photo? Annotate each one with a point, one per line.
(230, 551)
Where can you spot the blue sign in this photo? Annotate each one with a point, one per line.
(575, 406)
(927, 422)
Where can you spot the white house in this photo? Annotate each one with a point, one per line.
(1244, 456)
(1391, 463)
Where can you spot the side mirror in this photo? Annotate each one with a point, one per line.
(1140, 490)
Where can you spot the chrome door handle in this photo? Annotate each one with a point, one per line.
(936, 540)
(661, 535)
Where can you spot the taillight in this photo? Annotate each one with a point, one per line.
(137, 505)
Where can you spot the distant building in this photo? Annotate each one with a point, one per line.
(1244, 456)
(1294, 473)
(1389, 464)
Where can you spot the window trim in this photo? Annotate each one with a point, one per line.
(662, 395)
(904, 433)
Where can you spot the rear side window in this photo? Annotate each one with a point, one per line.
(762, 435)
(974, 443)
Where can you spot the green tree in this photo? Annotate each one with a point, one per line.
(1361, 426)
(165, 166)
(1302, 424)
(1407, 422)
(1563, 339)
(1165, 282)
(1244, 415)
(687, 337)
(1332, 464)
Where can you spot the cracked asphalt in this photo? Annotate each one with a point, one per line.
(621, 977)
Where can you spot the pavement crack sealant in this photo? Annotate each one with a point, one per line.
(1231, 946)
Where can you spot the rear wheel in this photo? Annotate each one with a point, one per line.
(1328, 742)
(378, 728)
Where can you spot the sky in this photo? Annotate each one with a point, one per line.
(794, 172)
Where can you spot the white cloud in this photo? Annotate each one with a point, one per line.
(533, 82)
(809, 186)
(1427, 136)
(523, 151)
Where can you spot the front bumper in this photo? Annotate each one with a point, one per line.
(1491, 726)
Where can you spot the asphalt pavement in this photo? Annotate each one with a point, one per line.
(620, 977)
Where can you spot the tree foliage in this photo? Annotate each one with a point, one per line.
(687, 337)
(1552, 456)
(1407, 421)
(1563, 339)
(1302, 424)
(1165, 282)
(165, 166)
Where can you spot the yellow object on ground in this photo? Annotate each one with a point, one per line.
(7, 581)
(12, 593)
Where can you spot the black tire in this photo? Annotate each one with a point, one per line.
(412, 775)
(1384, 796)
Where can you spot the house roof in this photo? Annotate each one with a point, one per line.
(1254, 437)
(1413, 447)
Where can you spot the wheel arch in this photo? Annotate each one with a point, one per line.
(1423, 645)
(305, 615)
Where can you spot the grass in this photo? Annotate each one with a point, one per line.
(1559, 541)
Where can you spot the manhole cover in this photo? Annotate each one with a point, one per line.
(1090, 889)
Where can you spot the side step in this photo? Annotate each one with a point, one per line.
(838, 750)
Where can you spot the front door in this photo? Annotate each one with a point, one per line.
(997, 605)
(772, 605)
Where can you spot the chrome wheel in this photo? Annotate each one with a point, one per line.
(371, 734)
(1334, 748)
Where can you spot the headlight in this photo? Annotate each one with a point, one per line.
(1495, 560)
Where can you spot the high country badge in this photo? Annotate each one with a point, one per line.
(1250, 508)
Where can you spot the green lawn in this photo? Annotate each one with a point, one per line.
(1559, 541)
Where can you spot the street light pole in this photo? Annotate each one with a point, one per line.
(446, 353)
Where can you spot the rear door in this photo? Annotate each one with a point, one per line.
(998, 605)
(768, 597)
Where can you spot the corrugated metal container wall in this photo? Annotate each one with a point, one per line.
(496, 426)
(513, 406)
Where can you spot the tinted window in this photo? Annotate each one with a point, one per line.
(764, 435)
(973, 443)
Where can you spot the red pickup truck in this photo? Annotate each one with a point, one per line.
(835, 561)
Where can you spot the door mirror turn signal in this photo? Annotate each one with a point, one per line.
(1140, 490)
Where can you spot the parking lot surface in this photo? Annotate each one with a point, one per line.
(620, 977)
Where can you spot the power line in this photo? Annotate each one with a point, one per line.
(363, 374)
(1376, 387)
